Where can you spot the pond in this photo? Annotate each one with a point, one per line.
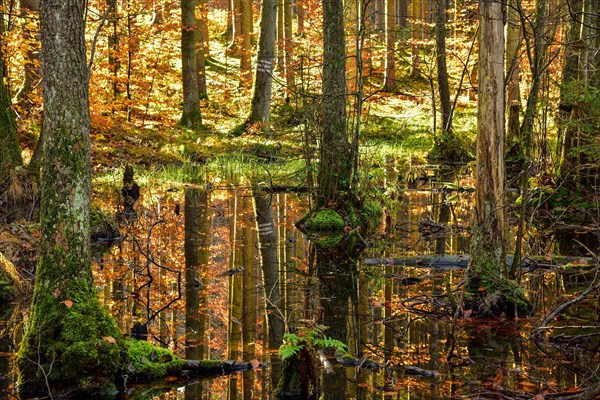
(188, 272)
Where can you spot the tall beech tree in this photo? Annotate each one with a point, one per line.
(191, 116)
(263, 81)
(70, 338)
(335, 168)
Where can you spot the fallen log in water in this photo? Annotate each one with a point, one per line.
(461, 261)
(348, 361)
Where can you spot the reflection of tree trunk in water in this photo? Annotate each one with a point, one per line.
(268, 241)
(249, 298)
(267, 235)
(337, 269)
(235, 295)
(196, 245)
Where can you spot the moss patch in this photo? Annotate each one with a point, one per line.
(325, 220)
(146, 361)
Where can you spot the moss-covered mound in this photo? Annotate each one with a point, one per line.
(146, 361)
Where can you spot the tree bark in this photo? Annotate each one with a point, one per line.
(487, 254)
(191, 117)
(10, 152)
(335, 167)
(389, 83)
(263, 81)
(69, 332)
(288, 45)
(31, 70)
(513, 70)
(417, 36)
(570, 76)
(202, 51)
(442, 70)
(246, 56)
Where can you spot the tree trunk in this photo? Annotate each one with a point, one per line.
(202, 51)
(268, 241)
(442, 70)
(487, 250)
(31, 73)
(389, 83)
(246, 55)
(10, 152)
(288, 46)
(513, 70)
(417, 36)
(335, 168)
(190, 117)
(234, 333)
(280, 35)
(263, 81)
(570, 76)
(196, 248)
(537, 61)
(250, 287)
(69, 332)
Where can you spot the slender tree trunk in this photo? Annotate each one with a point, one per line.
(281, 35)
(246, 55)
(202, 51)
(301, 15)
(263, 81)
(513, 70)
(389, 83)
(288, 46)
(10, 152)
(268, 241)
(417, 36)
(31, 75)
(571, 74)
(113, 48)
(196, 249)
(190, 117)
(68, 332)
(335, 167)
(442, 70)
(249, 284)
(234, 332)
(537, 59)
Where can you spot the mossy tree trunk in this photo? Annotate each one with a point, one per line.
(10, 152)
(335, 168)
(70, 339)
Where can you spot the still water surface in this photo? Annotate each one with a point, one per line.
(398, 316)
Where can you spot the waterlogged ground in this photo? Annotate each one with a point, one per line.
(399, 321)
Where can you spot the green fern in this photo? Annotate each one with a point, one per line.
(313, 339)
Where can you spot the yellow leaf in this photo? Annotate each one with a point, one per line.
(110, 339)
